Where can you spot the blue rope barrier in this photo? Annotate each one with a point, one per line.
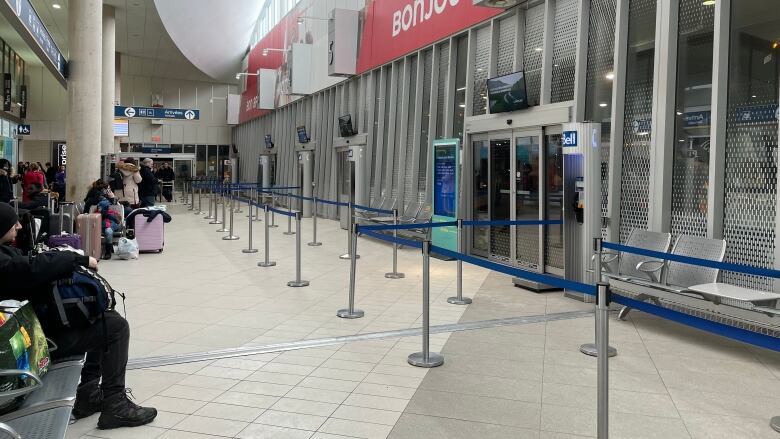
(739, 334)
(407, 226)
(333, 203)
(389, 238)
(512, 223)
(281, 212)
(516, 272)
(373, 209)
(727, 266)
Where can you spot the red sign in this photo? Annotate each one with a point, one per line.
(155, 138)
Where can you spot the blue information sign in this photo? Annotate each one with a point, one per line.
(569, 139)
(23, 130)
(446, 176)
(29, 18)
(156, 149)
(156, 113)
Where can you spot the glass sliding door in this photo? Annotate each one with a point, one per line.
(480, 196)
(553, 181)
(500, 197)
(526, 182)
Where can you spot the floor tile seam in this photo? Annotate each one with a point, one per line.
(474, 420)
(453, 392)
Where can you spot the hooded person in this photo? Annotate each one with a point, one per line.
(102, 388)
(6, 182)
(131, 177)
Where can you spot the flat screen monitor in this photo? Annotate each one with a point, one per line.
(445, 164)
(345, 126)
(302, 136)
(507, 93)
(268, 142)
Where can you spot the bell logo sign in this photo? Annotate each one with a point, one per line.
(417, 12)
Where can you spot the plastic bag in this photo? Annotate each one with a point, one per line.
(127, 249)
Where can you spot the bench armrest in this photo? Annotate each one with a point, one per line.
(23, 390)
(651, 268)
(604, 260)
(7, 430)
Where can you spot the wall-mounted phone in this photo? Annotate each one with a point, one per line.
(579, 199)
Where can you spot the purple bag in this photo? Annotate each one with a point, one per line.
(65, 239)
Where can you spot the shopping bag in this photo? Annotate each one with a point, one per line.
(127, 249)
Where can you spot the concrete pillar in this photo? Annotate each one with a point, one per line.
(108, 82)
(84, 84)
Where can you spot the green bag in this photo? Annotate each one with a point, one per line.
(23, 346)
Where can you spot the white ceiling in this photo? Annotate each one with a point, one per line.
(141, 38)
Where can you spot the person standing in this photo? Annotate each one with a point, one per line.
(51, 173)
(147, 189)
(6, 181)
(167, 176)
(59, 183)
(131, 177)
(33, 175)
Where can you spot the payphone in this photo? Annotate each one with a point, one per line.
(351, 173)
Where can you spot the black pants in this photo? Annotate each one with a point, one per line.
(110, 363)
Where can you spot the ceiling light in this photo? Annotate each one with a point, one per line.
(679, 113)
(708, 2)
(754, 96)
(603, 104)
(775, 44)
(610, 76)
(538, 49)
(56, 6)
(462, 105)
(238, 76)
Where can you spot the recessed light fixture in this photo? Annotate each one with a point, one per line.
(679, 113)
(462, 105)
(754, 96)
(56, 6)
(708, 2)
(538, 49)
(603, 104)
(610, 76)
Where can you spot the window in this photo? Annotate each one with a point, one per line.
(461, 56)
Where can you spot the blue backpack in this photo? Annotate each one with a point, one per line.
(83, 298)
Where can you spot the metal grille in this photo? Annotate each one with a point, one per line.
(507, 35)
(637, 117)
(481, 65)
(532, 56)
(500, 243)
(553, 243)
(411, 95)
(386, 147)
(441, 84)
(425, 117)
(376, 102)
(401, 87)
(564, 51)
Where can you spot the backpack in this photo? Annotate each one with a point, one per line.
(116, 182)
(82, 299)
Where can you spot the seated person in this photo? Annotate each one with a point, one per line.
(99, 190)
(30, 278)
(36, 197)
(111, 224)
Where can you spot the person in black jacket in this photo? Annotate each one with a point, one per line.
(147, 188)
(106, 343)
(37, 197)
(6, 182)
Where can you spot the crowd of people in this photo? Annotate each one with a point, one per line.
(30, 277)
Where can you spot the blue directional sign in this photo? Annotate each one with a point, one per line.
(23, 130)
(26, 16)
(156, 113)
(569, 138)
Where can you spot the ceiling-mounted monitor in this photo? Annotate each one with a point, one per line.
(345, 126)
(302, 136)
(507, 93)
(268, 142)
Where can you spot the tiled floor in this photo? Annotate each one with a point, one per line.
(202, 294)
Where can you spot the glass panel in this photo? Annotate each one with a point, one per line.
(751, 140)
(200, 162)
(690, 171)
(500, 197)
(425, 116)
(213, 170)
(481, 238)
(441, 83)
(637, 117)
(527, 199)
(182, 169)
(409, 183)
(554, 209)
(460, 86)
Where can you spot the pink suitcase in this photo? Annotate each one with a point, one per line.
(88, 227)
(150, 235)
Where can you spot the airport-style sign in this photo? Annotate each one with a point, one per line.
(156, 113)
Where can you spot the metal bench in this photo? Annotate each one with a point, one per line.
(627, 263)
(677, 277)
(45, 413)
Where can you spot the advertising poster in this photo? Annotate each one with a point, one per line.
(445, 162)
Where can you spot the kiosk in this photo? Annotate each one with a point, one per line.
(350, 173)
(445, 168)
(305, 153)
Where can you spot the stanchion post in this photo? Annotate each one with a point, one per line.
(267, 262)
(591, 349)
(459, 299)
(426, 358)
(223, 229)
(231, 236)
(350, 236)
(395, 274)
(314, 242)
(238, 205)
(298, 282)
(273, 217)
(215, 198)
(350, 312)
(775, 423)
(249, 248)
(191, 193)
(199, 210)
(289, 217)
(602, 343)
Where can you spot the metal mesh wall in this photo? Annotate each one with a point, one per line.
(690, 171)
(637, 117)
(481, 65)
(564, 51)
(398, 142)
(376, 102)
(425, 116)
(411, 95)
(441, 84)
(384, 187)
(532, 56)
(507, 35)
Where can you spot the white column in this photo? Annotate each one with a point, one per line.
(83, 127)
(108, 81)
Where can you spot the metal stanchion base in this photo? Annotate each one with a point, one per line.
(238, 211)
(215, 222)
(230, 238)
(590, 350)
(775, 423)
(418, 360)
(296, 284)
(461, 301)
(222, 230)
(198, 212)
(314, 244)
(346, 314)
(395, 275)
(348, 256)
(249, 250)
(288, 233)
(211, 217)
(266, 264)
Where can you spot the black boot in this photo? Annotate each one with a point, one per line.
(108, 250)
(89, 399)
(119, 411)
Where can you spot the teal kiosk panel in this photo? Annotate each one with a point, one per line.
(446, 179)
